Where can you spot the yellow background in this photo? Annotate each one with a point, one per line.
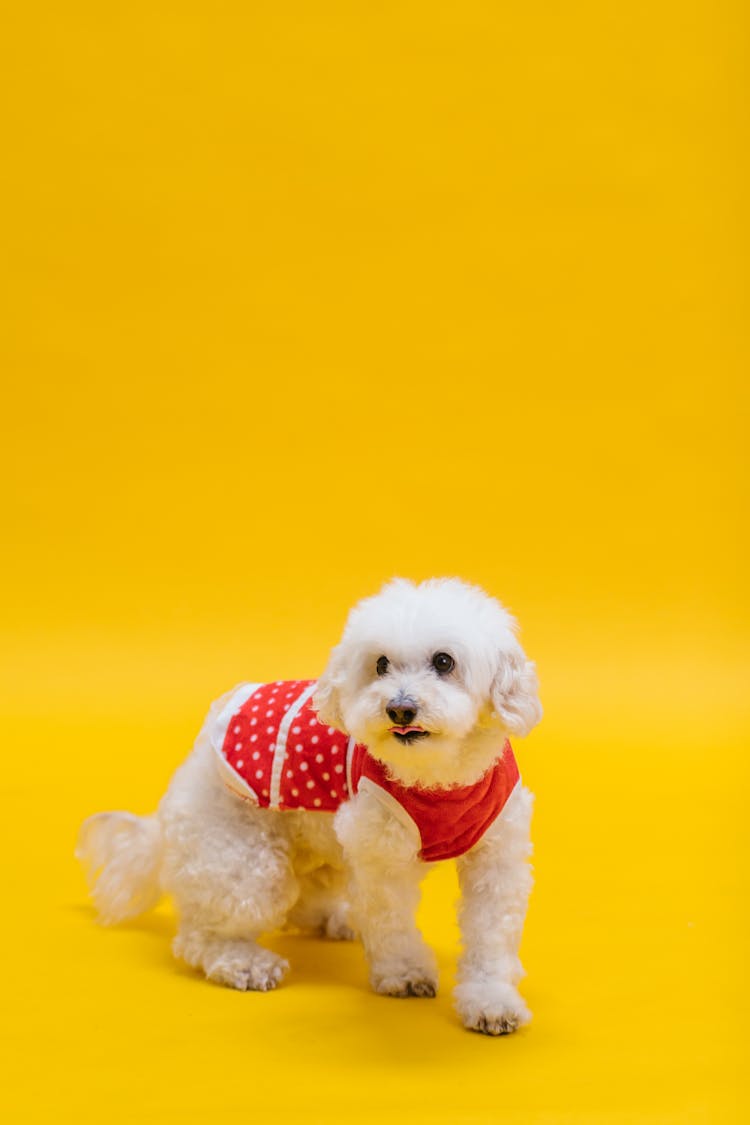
(300, 296)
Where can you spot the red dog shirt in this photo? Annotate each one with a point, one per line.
(272, 750)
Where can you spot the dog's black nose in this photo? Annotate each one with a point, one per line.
(402, 712)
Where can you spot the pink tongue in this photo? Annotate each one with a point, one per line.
(406, 730)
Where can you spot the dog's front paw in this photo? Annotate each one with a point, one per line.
(492, 1008)
(390, 980)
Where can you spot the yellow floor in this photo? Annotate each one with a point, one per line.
(296, 297)
(634, 950)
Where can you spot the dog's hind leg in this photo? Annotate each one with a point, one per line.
(322, 906)
(228, 869)
(238, 963)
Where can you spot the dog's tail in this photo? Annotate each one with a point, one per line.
(122, 856)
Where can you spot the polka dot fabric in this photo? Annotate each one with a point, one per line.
(274, 743)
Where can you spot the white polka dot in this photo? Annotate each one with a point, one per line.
(296, 730)
(326, 777)
(286, 707)
(303, 765)
(334, 749)
(288, 695)
(253, 722)
(239, 764)
(313, 723)
(269, 713)
(237, 730)
(265, 792)
(270, 730)
(238, 745)
(255, 708)
(339, 768)
(334, 793)
(295, 792)
(315, 740)
(256, 755)
(253, 738)
(272, 746)
(299, 747)
(259, 774)
(310, 784)
(318, 757)
(289, 774)
(316, 802)
(331, 730)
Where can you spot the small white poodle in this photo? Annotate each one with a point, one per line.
(322, 806)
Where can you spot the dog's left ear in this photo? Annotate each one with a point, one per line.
(325, 698)
(515, 692)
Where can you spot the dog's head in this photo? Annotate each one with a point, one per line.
(422, 669)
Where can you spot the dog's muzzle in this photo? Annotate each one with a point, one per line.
(402, 710)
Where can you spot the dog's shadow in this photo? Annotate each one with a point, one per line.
(158, 924)
(313, 960)
(315, 963)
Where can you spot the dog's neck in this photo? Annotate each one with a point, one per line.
(460, 763)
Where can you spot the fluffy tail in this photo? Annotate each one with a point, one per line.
(122, 857)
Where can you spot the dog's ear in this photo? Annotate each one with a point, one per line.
(325, 698)
(515, 692)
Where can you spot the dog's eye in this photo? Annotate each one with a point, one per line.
(382, 665)
(443, 663)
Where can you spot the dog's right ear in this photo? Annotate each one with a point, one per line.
(326, 700)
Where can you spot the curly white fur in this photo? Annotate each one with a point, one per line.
(236, 871)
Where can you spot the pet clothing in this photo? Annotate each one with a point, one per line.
(271, 749)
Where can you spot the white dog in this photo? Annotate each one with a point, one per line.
(427, 684)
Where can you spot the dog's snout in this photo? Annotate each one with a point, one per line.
(402, 711)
